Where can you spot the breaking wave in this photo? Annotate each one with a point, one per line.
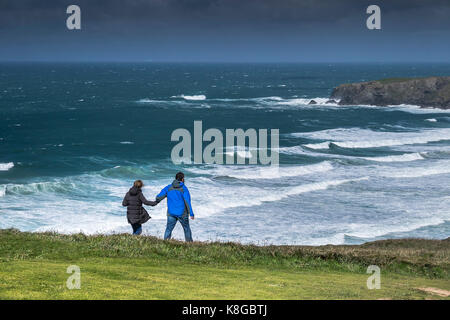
(59, 187)
(199, 97)
(6, 166)
(212, 205)
(309, 102)
(417, 172)
(265, 172)
(400, 158)
(365, 138)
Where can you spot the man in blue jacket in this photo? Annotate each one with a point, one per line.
(178, 206)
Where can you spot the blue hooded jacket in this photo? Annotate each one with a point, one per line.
(178, 199)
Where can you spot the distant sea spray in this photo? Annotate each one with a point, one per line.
(6, 166)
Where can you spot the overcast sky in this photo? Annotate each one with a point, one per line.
(225, 30)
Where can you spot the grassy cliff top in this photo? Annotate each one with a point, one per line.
(122, 266)
(426, 257)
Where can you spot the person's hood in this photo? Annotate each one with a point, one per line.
(177, 184)
(134, 191)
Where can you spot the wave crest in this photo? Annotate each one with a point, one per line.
(248, 173)
(6, 166)
(364, 138)
(198, 97)
(399, 158)
(41, 187)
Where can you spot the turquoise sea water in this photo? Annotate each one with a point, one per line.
(73, 137)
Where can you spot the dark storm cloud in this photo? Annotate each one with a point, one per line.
(217, 29)
(13, 12)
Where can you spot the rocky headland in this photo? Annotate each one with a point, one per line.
(431, 92)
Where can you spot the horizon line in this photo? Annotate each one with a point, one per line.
(225, 62)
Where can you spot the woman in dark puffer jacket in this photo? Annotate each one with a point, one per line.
(136, 214)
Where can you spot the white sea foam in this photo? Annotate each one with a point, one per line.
(183, 101)
(398, 158)
(59, 186)
(324, 101)
(294, 150)
(369, 230)
(415, 109)
(240, 153)
(66, 199)
(415, 172)
(299, 150)
(107, 216)
(276, 102)
(246, 172)
(401, 107)
(270, 99)
(431, 120)
(210, 204)
(317, 146)
(198, 97)
(147, 100)
(83, 213)
(279, 102)
(365, 138)
(303, 101)
(163, 102)
(317, 186)
(85, 217)
(6, 166)
(126, 142)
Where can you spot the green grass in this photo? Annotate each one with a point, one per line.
(33, 266)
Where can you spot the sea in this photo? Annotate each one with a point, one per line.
(74, 137)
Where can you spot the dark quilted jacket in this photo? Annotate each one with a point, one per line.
(134, 199)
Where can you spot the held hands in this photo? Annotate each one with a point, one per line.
(192, 217)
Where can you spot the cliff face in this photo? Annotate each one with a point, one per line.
(425, 92)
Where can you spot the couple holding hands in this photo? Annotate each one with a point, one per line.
(178, 206)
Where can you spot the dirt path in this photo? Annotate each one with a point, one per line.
(439, 292)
